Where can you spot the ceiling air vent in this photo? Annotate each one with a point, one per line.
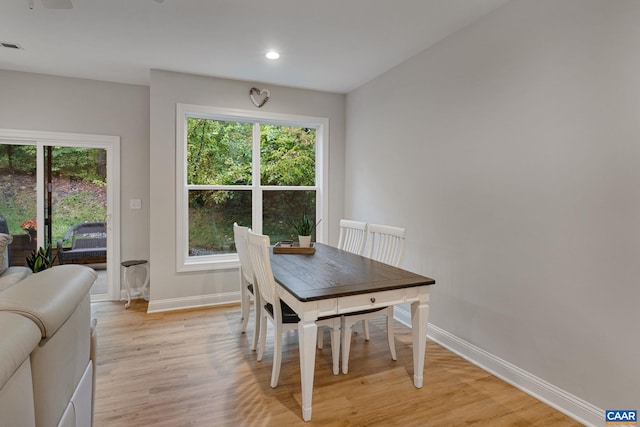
(10, 45)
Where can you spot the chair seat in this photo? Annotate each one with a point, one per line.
(288, 315)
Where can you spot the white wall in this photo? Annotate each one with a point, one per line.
(170, 289)
(59, 104)
(511, 153)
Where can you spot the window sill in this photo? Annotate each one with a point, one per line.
(209, 263)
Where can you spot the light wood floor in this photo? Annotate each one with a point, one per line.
(195, 368)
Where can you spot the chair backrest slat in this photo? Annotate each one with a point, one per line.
(240, 239)
(386, 244)
(258, 249)
(353, 236)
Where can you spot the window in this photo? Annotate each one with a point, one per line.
(261, 170)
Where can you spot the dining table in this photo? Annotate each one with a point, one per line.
(332, 281)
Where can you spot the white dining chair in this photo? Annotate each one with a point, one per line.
(247, 285)
(277, 311)
(353, 236)
(386, 244)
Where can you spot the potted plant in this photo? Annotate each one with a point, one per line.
(304, 227)
(40, 259)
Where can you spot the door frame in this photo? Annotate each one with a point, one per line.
(109, 143)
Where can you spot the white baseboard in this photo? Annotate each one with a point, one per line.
(198, 301)
(542, 390)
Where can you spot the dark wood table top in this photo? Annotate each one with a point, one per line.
(332, 273)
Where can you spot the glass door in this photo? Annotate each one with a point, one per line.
(18, 198)
(57, 196)
(75, 208)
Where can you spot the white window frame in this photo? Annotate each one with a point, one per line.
(186, 263)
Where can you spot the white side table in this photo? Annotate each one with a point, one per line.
(129, 268)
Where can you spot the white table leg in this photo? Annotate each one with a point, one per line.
(419, 318)
(307, 335)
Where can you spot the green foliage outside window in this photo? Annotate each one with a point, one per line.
(18, 159)
(287, 155)
(218, 153)
(76, 163)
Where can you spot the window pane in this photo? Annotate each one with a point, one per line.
(218, 152)
(79, 188)
(283, 209)
(18, 198)
(211, 217)
(288, 155)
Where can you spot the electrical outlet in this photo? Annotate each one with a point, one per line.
(135, 204)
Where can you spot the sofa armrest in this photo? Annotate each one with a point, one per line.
(18, 338)
(50, 297)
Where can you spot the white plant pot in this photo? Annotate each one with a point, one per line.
(305, 241)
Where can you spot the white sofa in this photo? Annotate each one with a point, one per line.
(9, 276)
(47, 348)
(18, 338)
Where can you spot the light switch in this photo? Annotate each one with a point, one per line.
(135, 204)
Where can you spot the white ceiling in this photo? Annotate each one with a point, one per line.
(329, 45)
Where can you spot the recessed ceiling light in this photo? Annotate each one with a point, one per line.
(272, 54)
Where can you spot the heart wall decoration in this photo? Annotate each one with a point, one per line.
(259, 97)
